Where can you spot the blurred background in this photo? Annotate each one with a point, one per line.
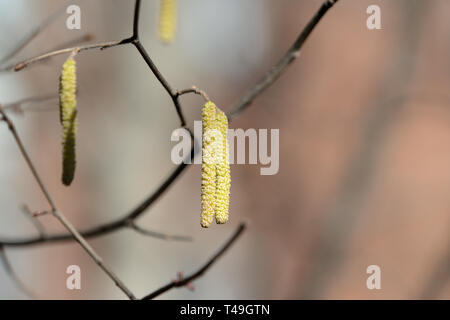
(364, 179)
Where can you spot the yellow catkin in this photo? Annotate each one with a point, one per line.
(68, 118)
(223, 178)
(208, 190)
(167, 20)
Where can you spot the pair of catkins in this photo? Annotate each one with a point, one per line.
(216, 181)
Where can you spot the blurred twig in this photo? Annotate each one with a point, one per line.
(14, 277)
(132, 225)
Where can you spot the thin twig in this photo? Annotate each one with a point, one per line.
(183, 282)
(33, 33)
(156, 234)
(59, 215)
(38, 225)
(439, 277)
(271, 76)
(71, 43)
(140, 209)
(119, 223)
(14, 277)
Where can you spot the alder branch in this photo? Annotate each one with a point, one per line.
(183, 282)
(140, 209)
(59, 215)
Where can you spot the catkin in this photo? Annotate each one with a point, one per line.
(216, 179)
(208, 190)
(223, 179)
(167, 20)
(68, 118)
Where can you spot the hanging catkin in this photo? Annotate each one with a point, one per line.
(167, 20)
(208, 192)
(223, 179)
(68, 118)
(216, 182)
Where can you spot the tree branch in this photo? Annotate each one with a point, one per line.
(14, 277)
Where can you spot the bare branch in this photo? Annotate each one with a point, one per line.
(181, 283)
(161, 79)
(14, 277)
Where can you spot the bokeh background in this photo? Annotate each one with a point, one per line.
(364, 119)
